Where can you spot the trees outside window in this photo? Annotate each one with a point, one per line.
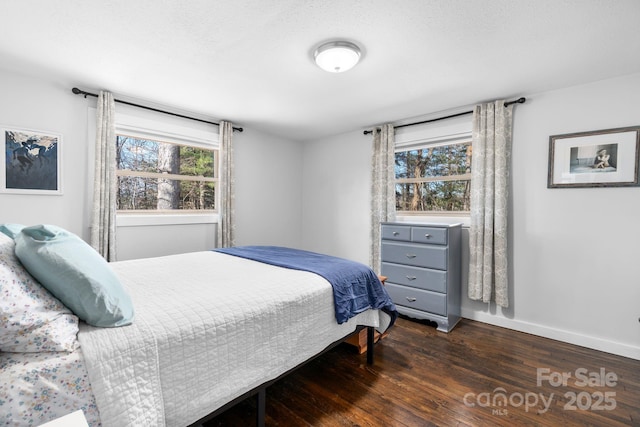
(434, 178)
(164, 177)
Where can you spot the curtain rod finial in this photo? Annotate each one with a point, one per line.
(77, 91)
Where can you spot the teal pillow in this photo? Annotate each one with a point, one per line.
(75, 274)
(11, 230)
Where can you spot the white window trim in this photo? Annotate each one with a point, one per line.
(138, 219)
(433, 141)
(157, 130)
(128, 122)
(433, 135)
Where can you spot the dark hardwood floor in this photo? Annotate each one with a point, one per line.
(477, 375)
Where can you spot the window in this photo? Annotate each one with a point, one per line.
(433, 178)
(164, 177)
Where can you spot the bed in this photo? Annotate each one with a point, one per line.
(209, 328)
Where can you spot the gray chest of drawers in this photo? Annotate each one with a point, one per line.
(422, 265)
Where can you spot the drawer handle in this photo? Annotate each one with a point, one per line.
(428, 236)
(411, 299)
(395, 233)
(411, 256)
(411, 277)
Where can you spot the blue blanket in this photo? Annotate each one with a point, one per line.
(356, 288)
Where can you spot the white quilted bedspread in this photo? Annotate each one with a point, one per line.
(208, 327)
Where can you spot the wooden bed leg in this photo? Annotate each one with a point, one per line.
(261, 406)
(370, 343)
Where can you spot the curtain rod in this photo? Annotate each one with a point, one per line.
(82, 92)
(517, 101)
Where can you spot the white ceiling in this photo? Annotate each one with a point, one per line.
(250, 61)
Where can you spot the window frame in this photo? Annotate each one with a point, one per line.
(145, 125)
(431, 142)
(178, 177)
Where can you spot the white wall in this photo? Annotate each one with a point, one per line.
(335, 197)
(568, 282)
(267, 177)
(48, 106)
(268, 186)
(146, 241)
(568, 279)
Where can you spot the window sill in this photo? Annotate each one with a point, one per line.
(140, 220)
(463, 219)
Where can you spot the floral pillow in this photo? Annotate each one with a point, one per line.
(31, 319)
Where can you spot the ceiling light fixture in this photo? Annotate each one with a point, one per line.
(337, 56)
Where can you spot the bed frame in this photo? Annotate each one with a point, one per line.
(260, 391)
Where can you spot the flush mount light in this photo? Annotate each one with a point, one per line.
(337, 56)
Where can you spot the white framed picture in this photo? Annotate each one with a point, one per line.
(31, 161)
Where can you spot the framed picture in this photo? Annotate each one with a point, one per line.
(601, 158)
(31, 162)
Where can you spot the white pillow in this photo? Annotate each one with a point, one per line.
(31, 319)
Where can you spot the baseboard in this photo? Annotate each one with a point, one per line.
(594, 343)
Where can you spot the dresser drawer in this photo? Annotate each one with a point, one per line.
(414, 254)
(418, 299)
(396, 232)
(431, 235)
(416, 277)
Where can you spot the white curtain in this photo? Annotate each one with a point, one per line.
(103, 222)
(491, 145)
(383, 195)
(226, 208)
